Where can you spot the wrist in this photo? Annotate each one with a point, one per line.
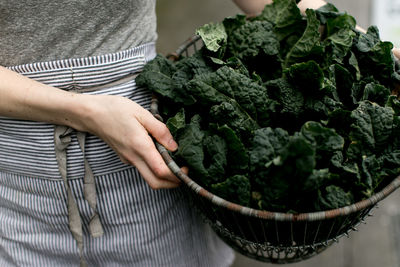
(78, 111)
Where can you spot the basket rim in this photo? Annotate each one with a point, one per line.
(247, 211)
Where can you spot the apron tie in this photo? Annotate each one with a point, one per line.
(62, 138)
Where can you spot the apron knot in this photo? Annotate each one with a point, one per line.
(62, 139)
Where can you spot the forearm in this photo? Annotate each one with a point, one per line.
(24, 98)
(312, 4)
(254, 7)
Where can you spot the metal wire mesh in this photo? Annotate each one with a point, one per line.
(267, 236)
(272, 240)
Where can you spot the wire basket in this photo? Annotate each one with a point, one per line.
(269, 236)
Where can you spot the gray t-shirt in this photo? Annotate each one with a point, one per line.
(44, 30)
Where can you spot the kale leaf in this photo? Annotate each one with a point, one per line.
(236, 188)
(371, 130)
(213, 35)
(308, 42)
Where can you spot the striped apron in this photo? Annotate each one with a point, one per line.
(139, 226)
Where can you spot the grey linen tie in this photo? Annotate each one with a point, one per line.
(62, 139)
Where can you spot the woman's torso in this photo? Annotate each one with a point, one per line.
(33, 31)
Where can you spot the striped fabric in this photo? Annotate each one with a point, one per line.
(142, 227)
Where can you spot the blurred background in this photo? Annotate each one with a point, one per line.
(377, 243)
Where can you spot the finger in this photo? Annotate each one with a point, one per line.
(185, 170)
(153, 181)
(396, 52)
(148, 153)
(159, 168)
(157, 129)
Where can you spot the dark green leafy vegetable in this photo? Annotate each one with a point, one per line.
(237, 154)
(308, 42)
(376, 57)
(253, 39)
(177, 122)
(214, 36)
(333, 197)
(277, 114)
(376, 93)
(371, 130)
(307, 76)
(326, 12)
(236, 188)
(285, 16)
(325, 140)
(191, 146)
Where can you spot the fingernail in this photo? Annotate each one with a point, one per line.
(172, 144)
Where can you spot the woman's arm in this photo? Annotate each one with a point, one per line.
(254, 7)
(120, 122)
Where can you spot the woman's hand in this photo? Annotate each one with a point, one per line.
(128, 128)
(120, 122)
